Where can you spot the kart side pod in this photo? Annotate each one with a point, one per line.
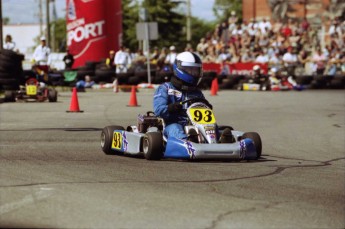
(243, 150)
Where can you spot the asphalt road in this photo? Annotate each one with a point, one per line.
(54, 174)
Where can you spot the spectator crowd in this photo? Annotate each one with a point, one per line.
(294, 46)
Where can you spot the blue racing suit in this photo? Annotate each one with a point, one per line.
(174, 122)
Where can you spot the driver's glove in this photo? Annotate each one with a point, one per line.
(174, 107)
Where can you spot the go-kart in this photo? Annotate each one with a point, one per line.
(254, 84)
(147, 138)
(32, 91)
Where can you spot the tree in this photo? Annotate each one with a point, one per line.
(130, 16)
(200, 29)
(6, 20)
(222, 9)
(171, 24)
(60, 34)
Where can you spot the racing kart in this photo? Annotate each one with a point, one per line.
(147, 139)
(32, 91)
(254, 84)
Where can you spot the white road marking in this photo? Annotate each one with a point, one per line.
(43, 193)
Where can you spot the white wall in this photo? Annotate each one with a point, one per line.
(24, 37)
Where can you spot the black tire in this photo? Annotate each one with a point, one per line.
(134, 80)
(107, 138)
(153, 146)
(257, 141)
(223, 127)
(304, 79)
(52, 95)
(10, 87)
(10, 96)
(226, 84)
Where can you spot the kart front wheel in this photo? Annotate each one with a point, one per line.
(153, 146)
(257, 142)
(107, 138)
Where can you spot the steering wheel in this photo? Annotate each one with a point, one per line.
(196, 100)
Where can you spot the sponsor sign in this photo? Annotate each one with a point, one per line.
(234, 69)
(89, 37)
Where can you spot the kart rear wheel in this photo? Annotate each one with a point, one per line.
(107, 138)
(257, 141)
(153, 145)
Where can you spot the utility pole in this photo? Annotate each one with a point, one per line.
(40, 16)
(1, 44)
(48, 22)
(189, 14)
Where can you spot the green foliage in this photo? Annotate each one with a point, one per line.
(222, 9)
(200, 29)
(60, 34)
(6, 20)
(171, 23)
(130, 16)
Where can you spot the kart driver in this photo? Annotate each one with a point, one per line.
(259, 78)
(183, 85)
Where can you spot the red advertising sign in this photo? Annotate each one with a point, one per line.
(234, 69)
(94, 27)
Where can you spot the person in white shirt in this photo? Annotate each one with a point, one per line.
(122, 60)
(9, 44)
(290, 60)
(170, 58)
(41, 53)
(262, 58)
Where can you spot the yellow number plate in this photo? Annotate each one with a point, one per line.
(31, 89)
(117, 141)
(202, 116)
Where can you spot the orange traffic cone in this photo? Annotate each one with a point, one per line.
(74, 107)
(133, 99)
(214, 86)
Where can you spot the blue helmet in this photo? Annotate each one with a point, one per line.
(188, 68)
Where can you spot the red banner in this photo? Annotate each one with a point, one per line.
(94, 27)
(234, 69)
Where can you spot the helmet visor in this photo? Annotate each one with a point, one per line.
(193, 71)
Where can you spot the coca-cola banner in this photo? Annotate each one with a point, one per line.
(94, 27)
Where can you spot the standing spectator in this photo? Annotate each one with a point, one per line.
(68, 59)
(233, 18)
(154, 56)
(201, 47)
(41, 53)
(170, 58)
(319, 60)
(110, 60)
(225, 32)
(9, 44)
(140, 60)
(122, 60)
(161, 58)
